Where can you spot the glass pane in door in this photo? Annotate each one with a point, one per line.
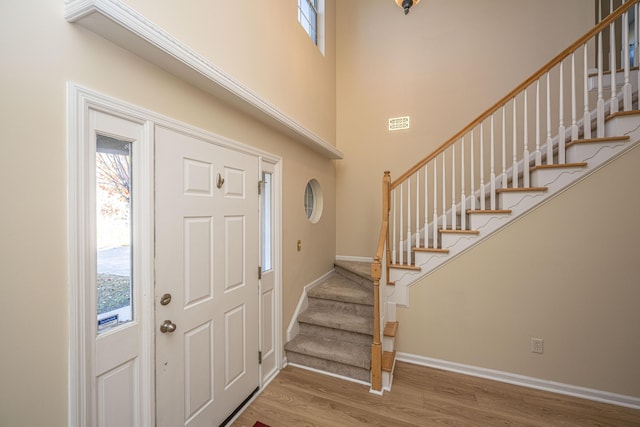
(267, 223)
(113, 233)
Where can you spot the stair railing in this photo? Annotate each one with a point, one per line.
(380, 274)
(498, 149)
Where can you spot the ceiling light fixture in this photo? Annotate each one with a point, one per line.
(406, 4)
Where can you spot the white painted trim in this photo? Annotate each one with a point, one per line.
(79, 101)
(353, 258)
(521, 380)
(82, 357)
(292, 330)
(122, 25)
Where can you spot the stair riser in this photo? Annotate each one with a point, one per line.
(338, 334)
(341, 307)
(362, 281)
(348, 371)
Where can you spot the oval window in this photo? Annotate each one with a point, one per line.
(313, 200)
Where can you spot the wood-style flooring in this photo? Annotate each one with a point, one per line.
(421, 396)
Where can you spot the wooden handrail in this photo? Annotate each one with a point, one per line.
(537, 75)
(376, 274)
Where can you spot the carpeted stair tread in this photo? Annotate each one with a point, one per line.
(339, 288)
(337, 320)
(359, 272)
(360, 268)
(333, 350)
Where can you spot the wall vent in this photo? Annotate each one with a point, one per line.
(399, 123)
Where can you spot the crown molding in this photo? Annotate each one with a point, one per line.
(122, 25)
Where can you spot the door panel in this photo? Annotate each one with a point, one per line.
(206, 258)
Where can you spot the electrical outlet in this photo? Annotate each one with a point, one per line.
(537, 345)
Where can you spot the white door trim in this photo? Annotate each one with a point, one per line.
(79, 101)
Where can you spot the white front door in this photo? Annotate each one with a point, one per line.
(207, 292)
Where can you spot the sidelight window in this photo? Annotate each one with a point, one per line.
(114, 271)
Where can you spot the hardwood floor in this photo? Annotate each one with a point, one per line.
(421, 397)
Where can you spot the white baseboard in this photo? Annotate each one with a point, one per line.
(292, 330)
(521, 380)
(353, 258)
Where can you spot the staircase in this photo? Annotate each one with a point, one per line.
(530, 146)
(336, 329)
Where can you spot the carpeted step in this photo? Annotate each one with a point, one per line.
(344, 292)
(329, 355)
(338, 320)
(359, 272)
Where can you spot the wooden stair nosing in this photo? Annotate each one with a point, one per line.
(489, 211)
(388, 359)
(559, 166)
(434, 250)
(390, 329)
(449, 231)
(621, 113)
(405, 267)
(598, 140)
(521, 190)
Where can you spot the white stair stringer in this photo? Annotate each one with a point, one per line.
(595, 154)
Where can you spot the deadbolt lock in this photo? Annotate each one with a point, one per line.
(166, 299)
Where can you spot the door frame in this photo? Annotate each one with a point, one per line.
(81, 357)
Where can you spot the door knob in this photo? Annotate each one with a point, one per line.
(167, 326)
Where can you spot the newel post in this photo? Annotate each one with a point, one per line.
(376, 346)
(376, 274)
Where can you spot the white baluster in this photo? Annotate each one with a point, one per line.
(481, 166)
(586, 120)
(418, 208)
(538, 152)
(600, 104)
(514, 168)
(394, 248)
(401, 231)
(636, 46)
(408, 242)
(435, 203)
(525, 153)
(444, 192)
(549, 142)
(492, 176)
(463, 197)
(636, 32)
(454, 213)
(613, 105)
(561, 128)
(426, 208)
(472, 176)
(626, 89)
(503, 178)
(574, 114)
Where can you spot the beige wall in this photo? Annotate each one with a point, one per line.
(443, 65)
(261, 45)
(568, 273)
(40, 53)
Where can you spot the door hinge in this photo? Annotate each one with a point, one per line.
(259, 358)
(260, 187)
(259, 272)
